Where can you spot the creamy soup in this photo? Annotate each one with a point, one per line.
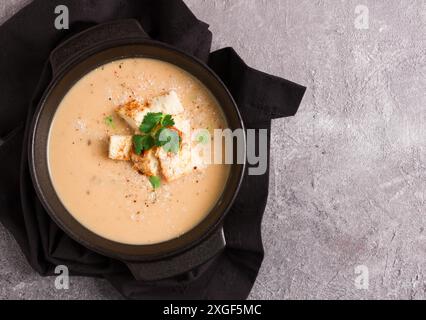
(109, 197)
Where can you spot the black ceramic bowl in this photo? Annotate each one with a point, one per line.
(70, 62)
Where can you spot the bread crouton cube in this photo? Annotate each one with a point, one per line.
(120, 147)
(174, 166)
(133, 113)
(168, 103)
(146, 163)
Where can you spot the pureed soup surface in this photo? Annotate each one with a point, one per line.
(109, 197)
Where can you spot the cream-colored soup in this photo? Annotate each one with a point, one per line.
(109, 197)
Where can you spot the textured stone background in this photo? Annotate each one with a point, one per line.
(349, 177)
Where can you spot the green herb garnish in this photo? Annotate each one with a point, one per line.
(155, 129)
(169, 140)
(203, 137)
(155, 182)
(142, 143)
(167, 121)
(150, 121)
(109, 121)
(159, 142)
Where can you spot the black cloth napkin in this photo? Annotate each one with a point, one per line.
(26, 41)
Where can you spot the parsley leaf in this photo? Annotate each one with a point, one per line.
(137, 144)
(148, 142)
(155, 182)
(142, 143)
(169, 140)
(203, 137)
(155, 127)
(167, 121)
(161, 137)
(150, 121)
(109, 121)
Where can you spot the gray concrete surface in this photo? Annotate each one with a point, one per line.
(349, 177)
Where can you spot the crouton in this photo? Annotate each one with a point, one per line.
(133, 113)
(168, 103)
(174, 166)
(120, 147)
(146, 163)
